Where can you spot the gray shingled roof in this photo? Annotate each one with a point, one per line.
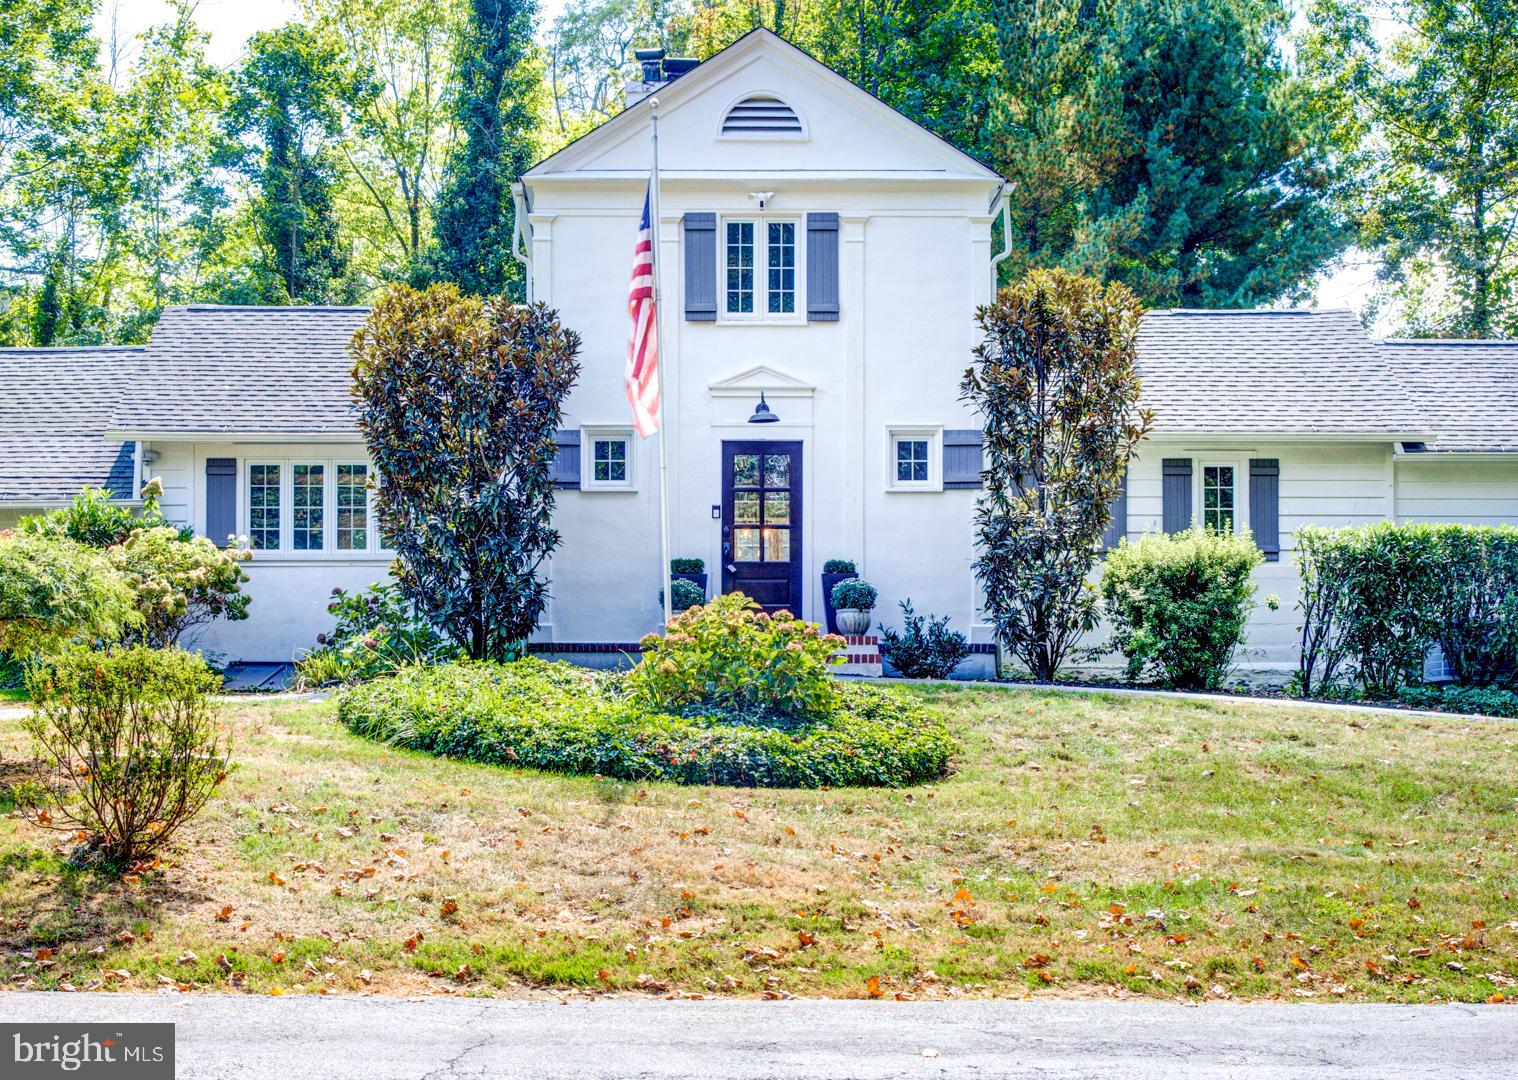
(54, 408)
(245, 371)
(1468, 390)
(277, 371)
(1277, 372)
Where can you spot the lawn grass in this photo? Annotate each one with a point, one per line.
(1087, 845)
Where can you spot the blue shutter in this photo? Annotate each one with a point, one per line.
(1176, 495)
(822, 267)
(701, 267)
(962, 459)
(1265, 506)
(1117, 528)
(566, 462)
(221, 499)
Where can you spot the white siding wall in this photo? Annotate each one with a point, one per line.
(1480, 492)
(290, 591)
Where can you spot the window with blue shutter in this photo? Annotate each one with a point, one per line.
(221, 499)
(1265, 506)
(1117, 527)
(962, 459)
(1175, 494)
(822, 267)
(566, 461)
(701, 267)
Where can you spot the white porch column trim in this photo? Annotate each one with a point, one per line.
(855, 442)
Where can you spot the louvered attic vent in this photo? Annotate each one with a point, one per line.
(761, 115)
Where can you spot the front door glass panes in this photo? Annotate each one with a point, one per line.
(780, 261)
(740, 267)
(307, 503)
(352, 508)
(610, 460)
(911, 461)
(1218, 497)
(263, 507)
(762, 517)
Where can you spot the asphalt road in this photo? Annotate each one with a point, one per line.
(252, 1038)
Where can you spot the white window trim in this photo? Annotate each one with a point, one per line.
(329, 549)
(1240, 490)
(761, 314)
(934, 437)
(588, 437)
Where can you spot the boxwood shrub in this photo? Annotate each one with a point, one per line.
(563, 719)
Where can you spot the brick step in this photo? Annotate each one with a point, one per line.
(861, 656)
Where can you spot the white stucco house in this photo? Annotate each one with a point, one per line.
(817, 249)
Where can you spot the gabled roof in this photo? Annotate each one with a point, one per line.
(55, 405)
(1468, 389)
(244, 371)
(938, 154)
(1271, 372)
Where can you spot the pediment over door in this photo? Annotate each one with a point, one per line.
(770, 381)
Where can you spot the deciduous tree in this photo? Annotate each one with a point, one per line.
(1429, 90)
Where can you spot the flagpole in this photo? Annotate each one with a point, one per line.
(664, 359)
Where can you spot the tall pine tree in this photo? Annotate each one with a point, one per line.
(498, 81)
(1166, 144)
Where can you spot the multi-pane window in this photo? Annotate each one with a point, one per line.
(308, 504)
(740, 267)
(263, 507)
(609, 461)
(352, 508)
(780, 259)
(760, 262)
(912, 461)
(1218, 493)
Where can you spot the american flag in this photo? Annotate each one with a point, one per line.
(643, 344)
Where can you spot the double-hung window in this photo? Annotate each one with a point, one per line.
(1219, 497)
(310, 506)
(760, 263)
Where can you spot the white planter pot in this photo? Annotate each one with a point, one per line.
(853, 621)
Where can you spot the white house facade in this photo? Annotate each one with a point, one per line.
(821, 253)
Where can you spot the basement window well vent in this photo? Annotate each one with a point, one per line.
(760, 115)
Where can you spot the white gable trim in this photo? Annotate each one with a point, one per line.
(633, 122)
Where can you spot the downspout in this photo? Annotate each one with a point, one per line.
(521, 233)
(999, 202)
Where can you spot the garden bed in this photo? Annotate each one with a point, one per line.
(560, 718)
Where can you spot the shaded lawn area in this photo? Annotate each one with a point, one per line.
(1088, 845)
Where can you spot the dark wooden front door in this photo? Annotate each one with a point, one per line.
(761, 522)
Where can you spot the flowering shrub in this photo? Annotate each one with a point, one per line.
(377, 632)
(179, 584)
(559, 718)
(732, 657)
(95, 519)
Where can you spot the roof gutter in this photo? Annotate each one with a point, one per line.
(521, 231)
(999, 202)
(234, 436)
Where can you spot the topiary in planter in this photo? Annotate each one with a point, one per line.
(684, 594)
(854, 599)
(834, 571)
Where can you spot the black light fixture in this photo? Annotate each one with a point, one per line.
(762, 413)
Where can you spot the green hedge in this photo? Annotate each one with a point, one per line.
(563, 719)
(1481, 700)
(1376, 598)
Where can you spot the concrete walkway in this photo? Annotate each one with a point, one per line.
(228, 1037)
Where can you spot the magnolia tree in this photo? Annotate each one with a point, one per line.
(459, 399)
(1055, 382)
